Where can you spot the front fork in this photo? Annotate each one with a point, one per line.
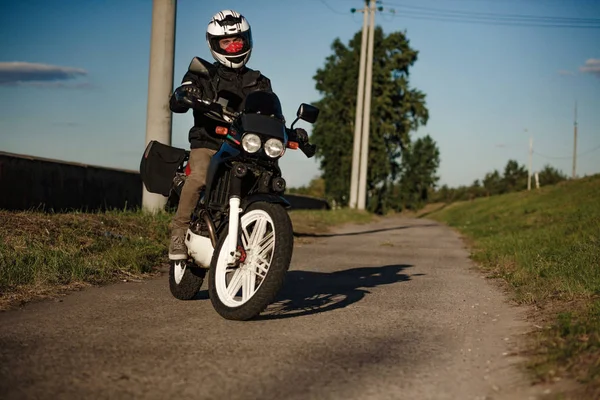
(233, 232)
(235, 190)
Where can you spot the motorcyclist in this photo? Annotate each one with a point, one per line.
(229, 39)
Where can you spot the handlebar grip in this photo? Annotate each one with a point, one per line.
(184, 99)
(309, 150)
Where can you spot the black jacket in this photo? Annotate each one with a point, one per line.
(233, 85)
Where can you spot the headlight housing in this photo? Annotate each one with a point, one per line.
(274, 148)
(251, 142)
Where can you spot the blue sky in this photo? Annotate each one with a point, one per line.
(485, 84)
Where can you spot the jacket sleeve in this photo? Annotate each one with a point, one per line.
(264, 83)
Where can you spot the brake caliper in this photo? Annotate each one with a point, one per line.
(241, 254)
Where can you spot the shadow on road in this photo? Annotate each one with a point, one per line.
(323, 235)
(308, 292)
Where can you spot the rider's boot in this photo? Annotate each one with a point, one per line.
(177, 248)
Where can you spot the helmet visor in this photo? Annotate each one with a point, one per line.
(231, 45)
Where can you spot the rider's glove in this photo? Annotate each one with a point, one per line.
(187, 93)
(301, 135)
(183, 98)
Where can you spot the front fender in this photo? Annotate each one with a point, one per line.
(266, 197)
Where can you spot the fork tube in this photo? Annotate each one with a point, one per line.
(234, 223)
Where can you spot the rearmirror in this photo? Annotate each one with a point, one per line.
(200, 67)
(307, 113)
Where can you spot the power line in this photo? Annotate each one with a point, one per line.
(567, 157)
(588, 152)
(446, 15)
(409, 15)
(551, 157)
(524, 17)
(333, 9)
(434, 14)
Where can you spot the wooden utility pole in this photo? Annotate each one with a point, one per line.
(575, 143)
(362, 182)
(530, 160)
(358, 119)
(160, 85)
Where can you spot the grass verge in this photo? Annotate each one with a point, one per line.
(42, 255)
(546, 245)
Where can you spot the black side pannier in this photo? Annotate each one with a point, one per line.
(159, 166)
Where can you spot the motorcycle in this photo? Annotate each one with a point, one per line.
(240, 232)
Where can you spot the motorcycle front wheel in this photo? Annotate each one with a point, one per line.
(243, 291)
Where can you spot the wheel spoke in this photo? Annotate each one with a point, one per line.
(248, 286)
(268, 246)
(235, 284)
(245, 237)
(259, 269)
(259, 231)
(229, 270)
(266, 241)
(252, 235)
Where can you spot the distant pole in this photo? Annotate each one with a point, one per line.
(575, 143)
(537, 180)
(530, 158)
(160, 85)
(362, 186)
(358, 120)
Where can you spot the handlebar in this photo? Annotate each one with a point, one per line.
(214, 110)
(217, 111)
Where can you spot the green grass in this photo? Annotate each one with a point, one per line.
(546, 244)
(44, 254)
(39, 251)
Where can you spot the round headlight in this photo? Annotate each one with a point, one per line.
(274, 148)
(251, 143)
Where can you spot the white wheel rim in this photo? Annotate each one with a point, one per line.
(178, 271)
(258, 238)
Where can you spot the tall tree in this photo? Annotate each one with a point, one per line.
(515, 176)
(396, 110)
(420, 162)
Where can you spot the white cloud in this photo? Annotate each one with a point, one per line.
(25, 73)
(51, 84)
(591, 66)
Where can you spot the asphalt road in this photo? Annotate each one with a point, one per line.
(392, 310)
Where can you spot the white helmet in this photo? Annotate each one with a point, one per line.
(228, 24)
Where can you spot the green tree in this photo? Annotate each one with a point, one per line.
(515, 176)
(551, 176)
(419, 164)
(396, 110)
(493, 184)
(476, 189)
(315, 188)
(444, 195)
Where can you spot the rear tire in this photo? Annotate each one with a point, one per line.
(268, 240)
(185, 279)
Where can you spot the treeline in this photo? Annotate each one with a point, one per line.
(513, 179)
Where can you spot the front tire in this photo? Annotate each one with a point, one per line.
(242, 292)
(185, 281)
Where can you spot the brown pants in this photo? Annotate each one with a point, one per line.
(190, 193)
